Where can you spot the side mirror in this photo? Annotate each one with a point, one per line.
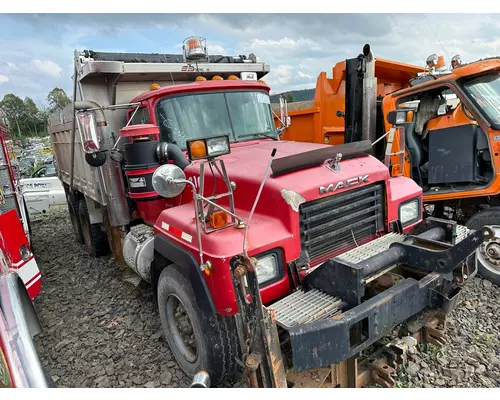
(165, 180)
(88, 131)
(284, 118)
(399, 117)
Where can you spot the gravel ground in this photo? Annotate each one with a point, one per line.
(471, 357)
(100, 331)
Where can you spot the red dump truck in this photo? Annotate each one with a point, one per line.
(264, 255)
(20, 282)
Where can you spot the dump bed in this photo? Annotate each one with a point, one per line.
(321, 120)
(112, 80)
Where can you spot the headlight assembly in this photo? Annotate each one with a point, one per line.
(409, 211)
(267, 268)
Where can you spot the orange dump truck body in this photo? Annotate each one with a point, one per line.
(318, 121)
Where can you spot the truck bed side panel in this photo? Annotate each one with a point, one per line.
(86, 178)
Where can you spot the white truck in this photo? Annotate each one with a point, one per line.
(42, 190)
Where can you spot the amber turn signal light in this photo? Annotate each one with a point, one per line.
(218, 219)
(198, 149)
(397, 170)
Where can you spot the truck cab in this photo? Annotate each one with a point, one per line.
(449, 147)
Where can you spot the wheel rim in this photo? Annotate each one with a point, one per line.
(488, 254)
(181, 328)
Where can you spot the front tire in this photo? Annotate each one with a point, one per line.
(198, 341)
(488, 254)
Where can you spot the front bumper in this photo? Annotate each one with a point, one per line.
(437, 272)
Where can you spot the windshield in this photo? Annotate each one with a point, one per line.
(485, 90)
(241, 115)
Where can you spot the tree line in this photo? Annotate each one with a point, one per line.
(24, 118)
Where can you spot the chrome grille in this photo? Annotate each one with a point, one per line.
(336, 223)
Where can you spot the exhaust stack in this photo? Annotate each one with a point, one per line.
(368, 127)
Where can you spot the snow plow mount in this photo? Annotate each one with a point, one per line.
(431, 256)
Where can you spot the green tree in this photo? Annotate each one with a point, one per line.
(23, 116)
(290, 98)
(14, 110)
(57, 99)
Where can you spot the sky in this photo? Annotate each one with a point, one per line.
(36, 50)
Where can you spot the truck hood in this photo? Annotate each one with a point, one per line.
(247, 162)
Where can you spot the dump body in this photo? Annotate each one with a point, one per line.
(321, 120)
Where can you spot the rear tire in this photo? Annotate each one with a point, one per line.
(95, 240)
(73, 208)
(213, 343)
(488, 265)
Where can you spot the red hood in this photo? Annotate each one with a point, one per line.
(248, 161)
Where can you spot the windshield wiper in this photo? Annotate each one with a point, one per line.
(265, 134)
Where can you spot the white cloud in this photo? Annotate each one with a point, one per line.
(23, 82)
(301, 74)
(216, 49)
(7, 67)
(46, 67)
(3, 79)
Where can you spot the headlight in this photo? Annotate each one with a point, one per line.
(208, 148)
(217, 146)
(409, 211)
(24, 252)
(267, 268)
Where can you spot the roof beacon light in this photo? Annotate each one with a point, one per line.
(232, 78)
(432, 61)
(195, 48)
(441, 65)
(217, 78)
(456, 61)
(154, 86)
(200, 78)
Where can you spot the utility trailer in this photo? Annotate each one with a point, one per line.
(263, 255)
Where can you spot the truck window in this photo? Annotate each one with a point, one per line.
(485, 91)
(243, 115)
(187, 117)
(250, 113)
(141, 117)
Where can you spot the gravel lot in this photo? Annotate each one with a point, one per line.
(100, 331)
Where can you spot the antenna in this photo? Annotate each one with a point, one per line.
(435, 34)
(256, 201)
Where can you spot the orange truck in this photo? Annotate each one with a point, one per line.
(450, 145)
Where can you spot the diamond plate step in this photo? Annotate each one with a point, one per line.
(305, 307)
(372, 248)
(462, 232)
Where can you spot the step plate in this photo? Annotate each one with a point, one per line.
(370, 249)
(305, 307)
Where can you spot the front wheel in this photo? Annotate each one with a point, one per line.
(197, 341)
(488, 253)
